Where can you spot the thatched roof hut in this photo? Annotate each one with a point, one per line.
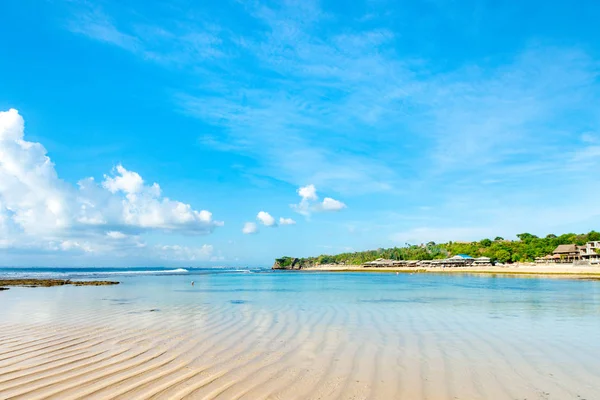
(566, 249)
(567, 253)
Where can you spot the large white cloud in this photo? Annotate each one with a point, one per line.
(32, 198)
(309, 202)
(40, 211)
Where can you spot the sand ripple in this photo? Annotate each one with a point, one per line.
(237, 350)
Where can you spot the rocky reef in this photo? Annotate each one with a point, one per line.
(51, 282)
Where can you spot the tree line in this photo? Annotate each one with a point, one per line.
(526, 249)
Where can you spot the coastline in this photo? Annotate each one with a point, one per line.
(564, 271)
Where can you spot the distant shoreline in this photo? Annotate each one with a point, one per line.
(568, 271)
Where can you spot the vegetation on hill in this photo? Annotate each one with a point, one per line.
(527, 248)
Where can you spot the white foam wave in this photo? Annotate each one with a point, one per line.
(149, 272)
(90, 274)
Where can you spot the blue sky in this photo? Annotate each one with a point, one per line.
(402, 122)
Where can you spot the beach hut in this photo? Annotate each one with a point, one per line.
(381, 262)
(567, 253)
(459, 260)
(547, 259)
(481, 261)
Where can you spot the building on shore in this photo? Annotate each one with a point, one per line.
(567, 253)
(571, 253)
(590, 252)
(383, 263)
(459, 260)
(482, 261)
(549, 259)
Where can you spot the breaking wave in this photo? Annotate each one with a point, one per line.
(74, 273)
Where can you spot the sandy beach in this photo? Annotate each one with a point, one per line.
(300, 336)
(557, 270)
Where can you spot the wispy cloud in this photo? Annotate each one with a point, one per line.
(312, 97)
(177, 41)
(250, 228)
(93, 22)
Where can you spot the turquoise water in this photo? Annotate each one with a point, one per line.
(466, 336)
(528, 299)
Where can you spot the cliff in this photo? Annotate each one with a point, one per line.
(291, 263)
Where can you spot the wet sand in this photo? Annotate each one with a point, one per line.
(379, 349)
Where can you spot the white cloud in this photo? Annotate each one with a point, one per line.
(40, 211)
(330, 204)
(308, 192)
(250, 228)
(69, 245)
(286, 221)
(127, 182)
(116, 235)
(266, 219)
(309, 202)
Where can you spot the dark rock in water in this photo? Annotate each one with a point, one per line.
(154, 310)
(94, 283)
(3, 288)
(52, 282)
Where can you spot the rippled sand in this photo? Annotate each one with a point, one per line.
(379, 349)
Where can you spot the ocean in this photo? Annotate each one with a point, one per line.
(257, 333)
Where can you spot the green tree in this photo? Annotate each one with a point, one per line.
(502, 256)
(526, 249)
(526, 237)
(486, 242)
(284, 261)
(593, 236)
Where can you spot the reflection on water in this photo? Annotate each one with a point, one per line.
(524, 298)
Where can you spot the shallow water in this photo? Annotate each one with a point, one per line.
(303, 335)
